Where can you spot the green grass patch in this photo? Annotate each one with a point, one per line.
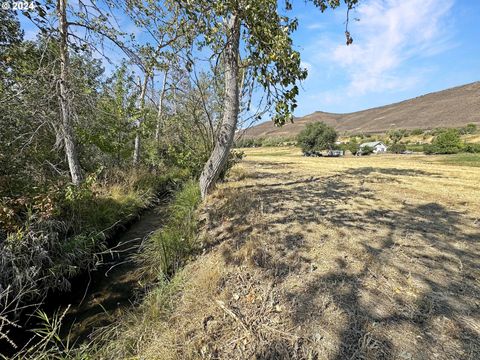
(463, 159)
(415, 147)
(168, 248)
(92, 214)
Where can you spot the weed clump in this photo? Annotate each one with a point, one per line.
(167, 249)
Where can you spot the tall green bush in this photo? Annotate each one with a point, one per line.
(446, 142)
(397, 148)
(317, 136)
(366, 150)
(353, 146)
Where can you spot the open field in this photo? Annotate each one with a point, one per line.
(331, 258)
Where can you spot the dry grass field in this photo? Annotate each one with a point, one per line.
(331, 258)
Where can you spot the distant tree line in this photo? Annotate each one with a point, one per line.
(394, 138)
(266, 142)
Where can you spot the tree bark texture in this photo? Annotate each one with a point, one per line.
(226, 134)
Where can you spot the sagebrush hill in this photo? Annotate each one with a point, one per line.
(453, 107)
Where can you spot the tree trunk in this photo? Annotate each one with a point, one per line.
(160, 108)
(226, 134)
(174, 99)
(66, 122)
(137, 148)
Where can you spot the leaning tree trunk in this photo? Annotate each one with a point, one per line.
(226, 134)
(66, 122)
(137, 148)
(160, 108)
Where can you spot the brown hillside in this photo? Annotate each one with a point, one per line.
(448, 108)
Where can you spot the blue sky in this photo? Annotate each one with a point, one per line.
(401, 49)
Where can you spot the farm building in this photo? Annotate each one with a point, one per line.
(377, 146)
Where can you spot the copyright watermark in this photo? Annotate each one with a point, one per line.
(17, 5)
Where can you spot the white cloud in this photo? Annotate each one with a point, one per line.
(315, 26)
(390, 33)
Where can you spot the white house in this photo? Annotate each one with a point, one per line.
(377, 146)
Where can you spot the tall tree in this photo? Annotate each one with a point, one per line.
(10, 32)
(256, 29)
(65, 108)
(224, 141)
(160, 106)
(141, 119)
(109, 129)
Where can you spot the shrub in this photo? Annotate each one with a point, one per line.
(267, 142)
(359, 135)
(243, 143)
(177, 155)
(396, 135)
(248, 142)
(366, 150)
(437, 131)
(416, 147)
(446, 142)
(428, 149)
(472, 148)
(416, 132)
(317, 136)
(397, 148)
(468, 129)
(352, 146)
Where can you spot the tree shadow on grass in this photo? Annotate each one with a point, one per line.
(442, 245)
(391, 171)
(412, 296)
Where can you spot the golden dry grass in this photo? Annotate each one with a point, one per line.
(472, 138)
(331, 258)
